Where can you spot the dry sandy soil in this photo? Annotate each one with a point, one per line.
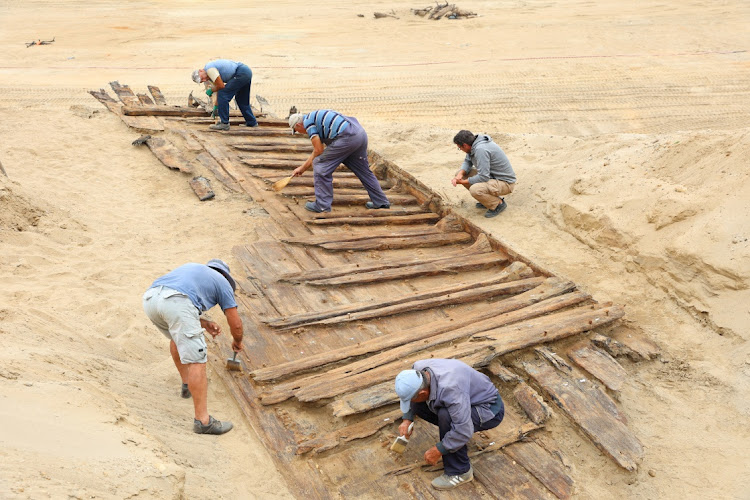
(626, 122)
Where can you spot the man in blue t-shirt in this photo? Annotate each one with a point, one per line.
(174, 304)
(228, 79)
(336, 139)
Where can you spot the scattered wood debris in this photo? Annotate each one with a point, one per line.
(446, 10)
(39, 42)
(380, 15)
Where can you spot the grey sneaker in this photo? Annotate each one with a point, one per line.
(185, 393)
(220, 126)
(214, 426)
(446, 482)
(479, 205)
(492, 213)
(372, 206)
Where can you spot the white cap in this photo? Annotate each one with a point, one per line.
(196, 76)
(295, 119)
(408, 383)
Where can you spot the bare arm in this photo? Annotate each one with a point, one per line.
(235, 327)
(318, 148)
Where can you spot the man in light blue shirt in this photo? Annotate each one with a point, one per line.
(174, 303)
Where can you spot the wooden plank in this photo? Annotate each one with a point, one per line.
(202, 188)
(270, 162)
(362, 211)
(339, 182)
(165, 151)
(506, 376)
(257, 132)
(470, 263)
(498, 315)
(144, 99)
(142, 124)
(372, 221)
(365, 400)
(425, 241)
(503, 479)
(543, 466)
(592, 410)
(473, 295)
(361, 199)
(515, 270)
(532, 403)
(157, 95)
(360, 430)
(499, 341)
(445, 225)
(126, 95)
(208, 161)
(600, 365)
(277, 148)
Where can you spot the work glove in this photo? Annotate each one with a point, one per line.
(209, 92)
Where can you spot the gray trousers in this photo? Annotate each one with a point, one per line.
(349, 148)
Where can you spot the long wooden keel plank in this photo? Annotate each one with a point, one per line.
(372, 221)
(588, 407)
(524, 306)
(516, 270)
(499, 341)
(428, 240)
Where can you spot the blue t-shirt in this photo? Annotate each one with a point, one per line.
(205, 286)
(226, 68)
(325, 123)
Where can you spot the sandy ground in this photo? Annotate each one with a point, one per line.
(626, 124)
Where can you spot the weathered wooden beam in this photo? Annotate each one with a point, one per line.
(428, 240)
(142, 124)
(258, 132)
(498, 341)
(359, 430)
(208, 161)
(157, 95)
(532, 403)
(144, 99)
(464, 297)
(395, 220)
(502, 478)
(270, 162)
(125, 94)
(594, 412)
(469, 263)
(600, 365)
(202, 188)
(161, 110)
(165, 151)
(515, 269)
(277, 148)
(364, 400)
(364, 212)
(273, 173)
(526, 305)
(543, 466)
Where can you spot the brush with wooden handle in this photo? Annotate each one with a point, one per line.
(281, 184)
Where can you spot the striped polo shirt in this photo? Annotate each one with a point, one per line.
(325, 123)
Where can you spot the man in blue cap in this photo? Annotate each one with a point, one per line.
(460, 401)
(174, 304)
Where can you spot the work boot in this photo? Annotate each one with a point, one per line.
(213, 427)
(446, 482)
(372, 206)
(185, 393)
(312, 207)
(220, 126)
(492, 213)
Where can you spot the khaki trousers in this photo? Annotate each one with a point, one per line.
(489, 193)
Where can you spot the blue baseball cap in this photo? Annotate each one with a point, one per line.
(408, 383)
(222, 267)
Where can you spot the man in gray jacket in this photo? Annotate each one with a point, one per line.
(460, 401)
(494, 176)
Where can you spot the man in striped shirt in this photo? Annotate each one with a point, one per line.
(336, 139)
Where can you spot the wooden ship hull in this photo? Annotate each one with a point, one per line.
(336, 304)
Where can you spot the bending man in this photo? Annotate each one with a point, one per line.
(336, 139)
(174, 303)
(460, 401)
(229, 79)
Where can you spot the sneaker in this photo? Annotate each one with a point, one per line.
(492, 213)
(220, 126)
(185, 393)
(248, 125)
(312, 207)
(214, 426)
(479, 205)
(372, 206)
(446, 482)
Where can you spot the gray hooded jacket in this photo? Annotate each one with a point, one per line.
(489, 160)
